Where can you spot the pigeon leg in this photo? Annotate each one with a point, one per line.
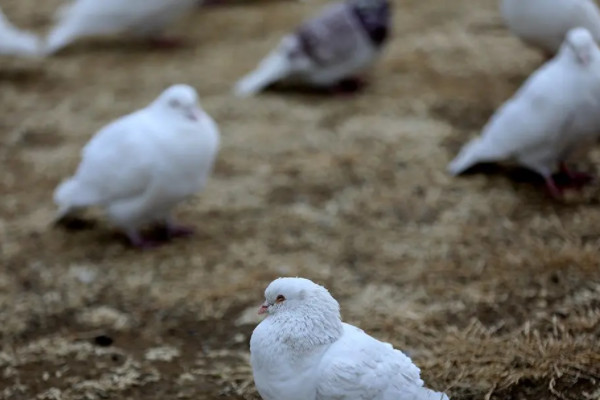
(555, 191)
(138, 241)
(576, 179)
(349, 85)
(175, 230)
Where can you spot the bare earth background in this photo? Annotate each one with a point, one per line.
(492, 288)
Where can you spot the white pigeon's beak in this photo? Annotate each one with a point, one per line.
(584, 57)
(193, 113)
(263, 309)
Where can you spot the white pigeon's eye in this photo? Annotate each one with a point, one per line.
(280, 299)
(174, 103)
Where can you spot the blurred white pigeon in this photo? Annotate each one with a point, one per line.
(14, 41)
(552, 115)
(139, 167)
(303, 351)
(88, 18)
(327, 50)
(544, 23)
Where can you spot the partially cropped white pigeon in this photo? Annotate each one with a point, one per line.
(303, 351)
(14, 41)
(327, 50)
(553, 114)
(544, 23)
(139, 167)
(88, 18)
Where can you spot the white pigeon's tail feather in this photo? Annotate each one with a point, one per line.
(468, 156)
(63, 196)
(272, 69)
(16, 41)
(61, 36)
(24, 44)
(69, 196)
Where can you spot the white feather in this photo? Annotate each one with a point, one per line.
(87, 18)
(139, 167)
(544, 23)
(553, 114)
(289, 61)
(14, 41)
(303, 351)
(275, 67)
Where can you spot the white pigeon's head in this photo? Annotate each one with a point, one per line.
(580, 44)
(298, 295)
(180, 100)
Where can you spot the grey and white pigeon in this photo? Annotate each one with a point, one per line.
(553, 115)
(327, 50)
(90, 18)
(303, 351)
(544, 23)
(139, 167)
(14, 41)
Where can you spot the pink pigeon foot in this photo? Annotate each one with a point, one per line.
(555, 191)
(576, 179)
(138, 241)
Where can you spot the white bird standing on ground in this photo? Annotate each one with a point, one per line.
(554, 114)
(139, 167)
(140, 18)
(329, 49)
(14, 41)
(544, 23)
(303, 351)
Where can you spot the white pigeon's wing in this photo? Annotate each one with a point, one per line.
(537, 114)
(117, 163)
(15, 41)
(84, 18)
(332, 37)
(358, 366)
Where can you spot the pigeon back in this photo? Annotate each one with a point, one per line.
(331, 37)
(544, 23)
(87, 18)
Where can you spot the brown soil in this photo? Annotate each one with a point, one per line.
(491, 287)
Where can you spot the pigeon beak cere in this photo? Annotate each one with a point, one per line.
(263, 309)
(582, 56)
(193, 113)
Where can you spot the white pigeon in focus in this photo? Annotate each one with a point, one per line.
(327, 50)
(303, 351)
(14, 41)
(139, 167)
(90, 18)
(553, 114)
(544, 23)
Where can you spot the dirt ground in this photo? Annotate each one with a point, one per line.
(491, 287)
